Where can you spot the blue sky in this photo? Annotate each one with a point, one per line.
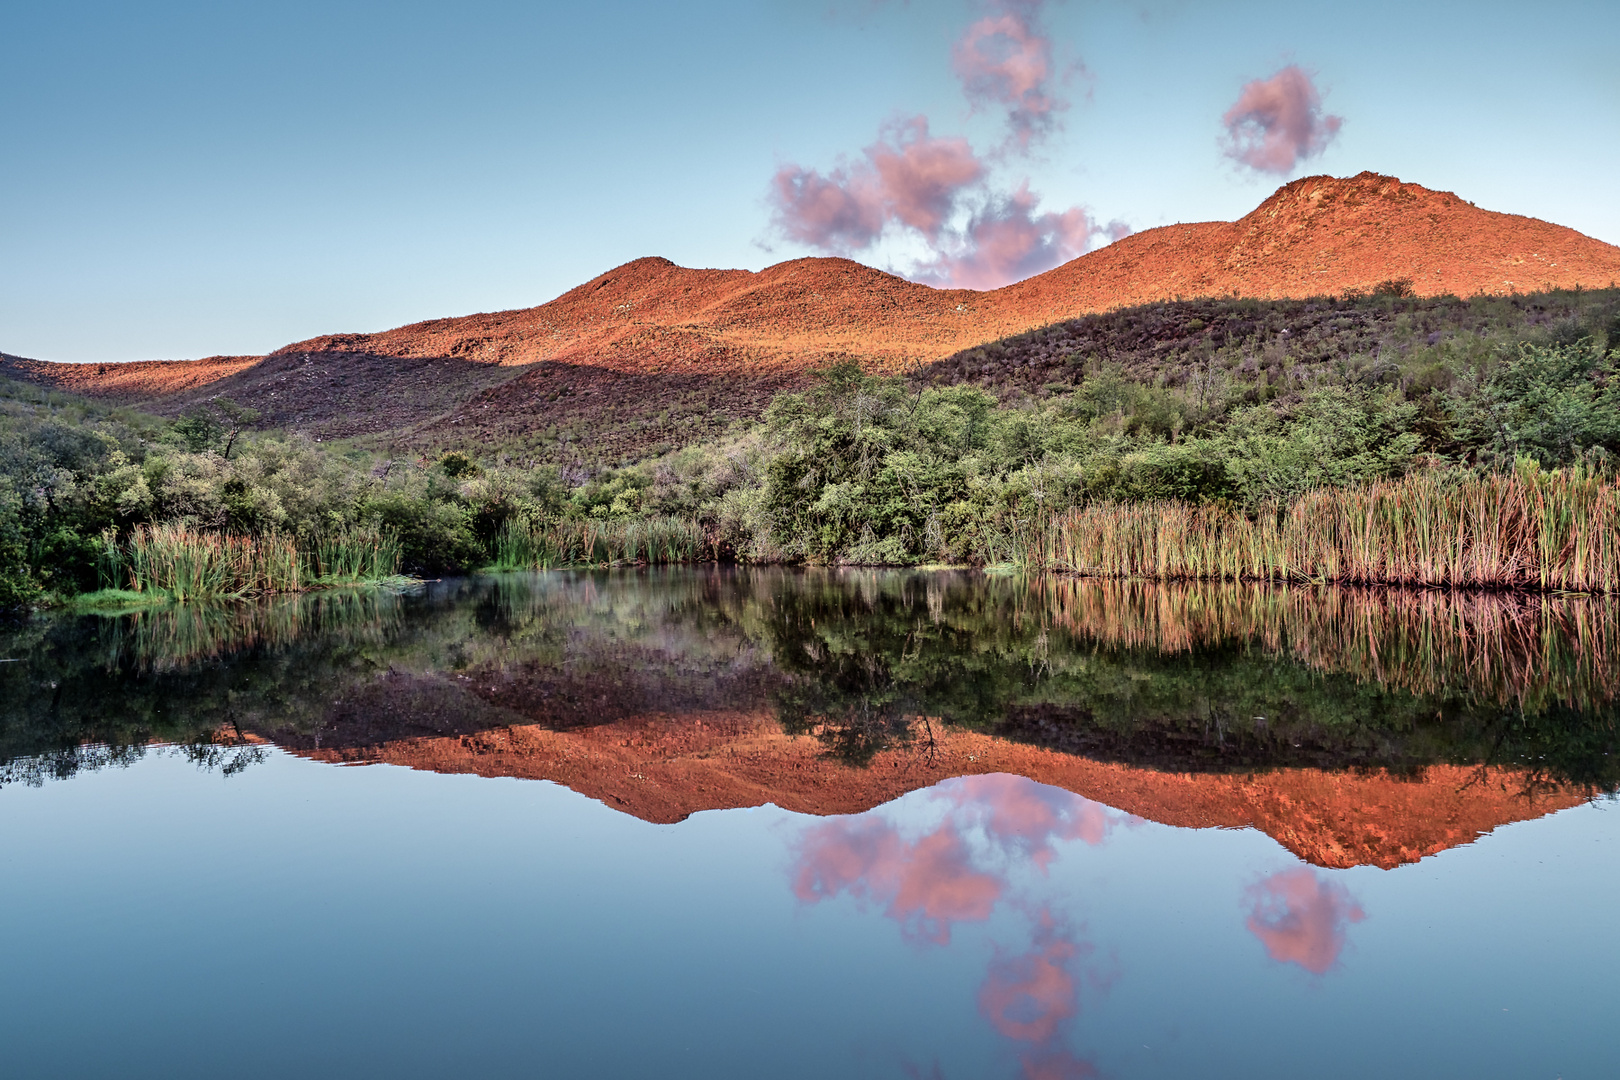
(186, 179)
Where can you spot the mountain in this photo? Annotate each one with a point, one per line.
(704, 346)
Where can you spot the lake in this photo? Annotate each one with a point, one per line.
(714, 822)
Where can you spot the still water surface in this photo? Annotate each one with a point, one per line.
(740, 824)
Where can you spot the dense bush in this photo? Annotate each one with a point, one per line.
(1238, 404)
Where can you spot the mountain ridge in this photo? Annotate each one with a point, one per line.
(740, 334)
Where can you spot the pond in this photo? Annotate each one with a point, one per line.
(742, 823)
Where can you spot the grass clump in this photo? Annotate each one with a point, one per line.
(182, 563)
(525, 545)
(355, 554)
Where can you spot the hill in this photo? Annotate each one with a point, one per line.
(652, 354)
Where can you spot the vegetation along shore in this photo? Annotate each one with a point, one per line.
(1370, 439)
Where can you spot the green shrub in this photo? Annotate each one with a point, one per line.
(435, 537)
(1556, 404)
(17, 584)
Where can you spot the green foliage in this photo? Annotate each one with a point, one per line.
(17, 584)
(435, 535)
(457, 465)
(198, 429)
(212, 425)
(1557, 404)
(1334, 437)
(80, 482)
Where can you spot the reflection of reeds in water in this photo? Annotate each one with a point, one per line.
(172, 637)
(1503, 648)
(657, 540)
(1527, 530)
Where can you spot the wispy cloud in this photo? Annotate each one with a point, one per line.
(1005, 60)
(1277, 123)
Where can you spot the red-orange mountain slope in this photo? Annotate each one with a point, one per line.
(1313, 237)
(651, 318)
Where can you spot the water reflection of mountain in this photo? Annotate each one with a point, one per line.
(1377, 726)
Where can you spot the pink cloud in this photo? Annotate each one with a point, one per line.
(1278, 123)
(907, 176)
(958, 872)
(934, 193)
(1028, 997)
(1004, 60)
(921, 177)
(838, 212)
(1300, 917)
(930, 883)
(1009, 239)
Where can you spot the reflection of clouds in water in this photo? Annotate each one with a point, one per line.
(1026, 996)
(1300, 917)
(926, 885)
(1057, 1064)
(1027, 817)
(957, 871)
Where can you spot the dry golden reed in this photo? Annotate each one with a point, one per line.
(1525, 530)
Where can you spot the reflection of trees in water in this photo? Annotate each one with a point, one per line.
(181, 635)
(1510, 649)
(209, 753)
(1189, 677)
(1200, 677)
(86, 689)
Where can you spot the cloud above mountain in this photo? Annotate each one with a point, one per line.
(1278, 123)
(1004, 60)
(939, 197)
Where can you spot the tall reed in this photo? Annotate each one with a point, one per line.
(355, 554)
(187, 564)
(1525, 530)
(591, 542)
